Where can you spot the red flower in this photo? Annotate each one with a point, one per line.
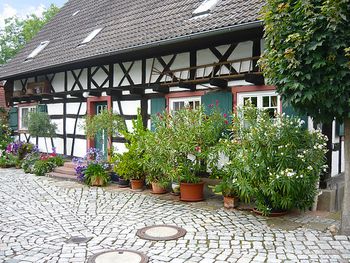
(198, 149)
(211, 105)
(225, 115)
(217, 103)
(226, 122)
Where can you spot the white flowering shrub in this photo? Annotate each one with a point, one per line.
(274, 161)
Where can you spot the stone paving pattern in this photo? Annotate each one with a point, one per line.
(38, 215)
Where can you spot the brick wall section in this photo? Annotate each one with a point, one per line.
(2, 96)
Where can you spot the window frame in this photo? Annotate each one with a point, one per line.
(259, 94)
(30, 108)
(186, 101)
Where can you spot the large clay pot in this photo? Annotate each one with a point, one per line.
(191, 192)
(157, 189)
(97, 182)
(230, 202)
(136, 185)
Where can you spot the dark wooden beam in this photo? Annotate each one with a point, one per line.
(255, 78)
(76, 79)
(187, 85)
(221, 83)
(126, 74)
(160, 89)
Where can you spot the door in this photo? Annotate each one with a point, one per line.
(101, 139)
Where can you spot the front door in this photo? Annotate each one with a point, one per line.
(101, 140)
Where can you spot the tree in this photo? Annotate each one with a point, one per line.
(40, 125)
(17, 32)
(307, 58)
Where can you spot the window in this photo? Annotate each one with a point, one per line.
(75, 13)
(267, 100)
(91, 36)
(205, 7)
(23, 116)
(38, 49)
(176, 104)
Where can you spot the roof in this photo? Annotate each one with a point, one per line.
(126, 25)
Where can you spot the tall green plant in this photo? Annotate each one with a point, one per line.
(106, 121)
(307, 57)
(40, 125)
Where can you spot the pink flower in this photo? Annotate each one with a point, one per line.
(217, 103)
(198, 149)
(226, 122)
(211, 105)
(225, 115)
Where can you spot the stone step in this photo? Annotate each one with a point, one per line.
(69, 165)
(64, 170)
(61, 176)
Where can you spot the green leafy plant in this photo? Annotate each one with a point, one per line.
(186, 138)
(42, 167)
(5, 134)
(275, 161)
(130, 164)
(28, 162)
(8, 160)
(106, 121)
(96, 172)
(40, 125)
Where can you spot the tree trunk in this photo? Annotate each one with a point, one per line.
(345, 218)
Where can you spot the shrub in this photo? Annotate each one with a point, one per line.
(275, 161)
(5, 134)
(96, 171)
(8, 160)
(28, 162)
(20, 149)
(42, 167)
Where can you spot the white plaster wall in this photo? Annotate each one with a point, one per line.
(135, 72)
(58, 82)
(79, 148)
(130, 107)
(99, 77)
(70, 126)
(119, 147)
(72, 108)
(82, 79)
(55, 109)
(59, 124)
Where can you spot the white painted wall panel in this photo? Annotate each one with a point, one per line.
(99, 77)
(130, 107)
(72, 108)
(59, 124)
(55, 109)
(135, 72)
(79, 148)
(58, 82)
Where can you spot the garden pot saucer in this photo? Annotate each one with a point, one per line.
(272, 214)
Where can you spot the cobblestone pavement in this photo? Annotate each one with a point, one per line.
(39, 215)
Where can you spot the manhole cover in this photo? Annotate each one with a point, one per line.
(78, 240)
(119, 256)
(161, 232)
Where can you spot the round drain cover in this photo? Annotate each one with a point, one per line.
(119, 256)
(161, 232)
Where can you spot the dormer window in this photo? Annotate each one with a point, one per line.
(91, 36)
(75, 13)
(38, 49)
(205, 7)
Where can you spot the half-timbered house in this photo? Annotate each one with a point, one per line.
(124, 55)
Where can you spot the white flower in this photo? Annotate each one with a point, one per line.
(310, 168)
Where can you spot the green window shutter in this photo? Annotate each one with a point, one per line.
(222, 99)
(13, 118)
(42, 108)
(157, 106)
(288, 109)
(339, 129)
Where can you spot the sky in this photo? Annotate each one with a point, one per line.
(21, 8)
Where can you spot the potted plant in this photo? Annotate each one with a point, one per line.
(106, 122)
(191, 133)
(96, 175)
(129, 165)
(228, 189)
(280, 161)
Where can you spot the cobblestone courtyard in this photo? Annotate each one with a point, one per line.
(38, 215)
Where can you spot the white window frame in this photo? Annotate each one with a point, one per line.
(205, 7)
(259, 94)
(37, 50)
(185, 100)
(31, 108)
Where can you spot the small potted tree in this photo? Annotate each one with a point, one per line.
(105, 122)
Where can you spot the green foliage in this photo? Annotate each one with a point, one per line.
(28, 162)
(95, 171)
(41, 125)
(5, 134)
(129, 165)
(106, 121)
(58, 160)
(307, 55)
(8, 160)
(184, 140)
(275, 162)
(42, 167)
(17, 32)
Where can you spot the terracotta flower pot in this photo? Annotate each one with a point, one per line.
(230, 202)
(191, 192)
(97, 182)
(136, 184)
(157, 189)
